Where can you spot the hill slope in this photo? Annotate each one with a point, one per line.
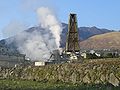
(103, 41)
(84, 33)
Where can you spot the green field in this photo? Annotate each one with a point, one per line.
(34, 85)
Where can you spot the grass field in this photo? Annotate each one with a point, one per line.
(34, 85)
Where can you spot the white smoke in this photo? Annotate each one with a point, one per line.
(50, 22)
(34, 45)
(39, 44)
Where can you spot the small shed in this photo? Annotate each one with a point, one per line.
(40, 63)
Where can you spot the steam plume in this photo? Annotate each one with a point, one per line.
(39, 44)
(49, 21)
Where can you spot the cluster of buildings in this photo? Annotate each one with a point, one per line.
(103, 53)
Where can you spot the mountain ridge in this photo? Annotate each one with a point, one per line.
(84, 33)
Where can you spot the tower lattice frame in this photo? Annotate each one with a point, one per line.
(72, 42)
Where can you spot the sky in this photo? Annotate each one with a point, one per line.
(99, 13)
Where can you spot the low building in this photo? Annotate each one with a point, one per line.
(40, 63)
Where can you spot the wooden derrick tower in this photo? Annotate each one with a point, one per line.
(72, 42)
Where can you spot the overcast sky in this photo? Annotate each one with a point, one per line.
(99, 13)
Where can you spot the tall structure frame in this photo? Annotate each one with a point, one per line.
(72, 42)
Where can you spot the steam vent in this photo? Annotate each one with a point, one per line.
(72, 42)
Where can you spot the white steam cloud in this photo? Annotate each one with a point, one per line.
(49, 21)
(39, 44)
(36, 45)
